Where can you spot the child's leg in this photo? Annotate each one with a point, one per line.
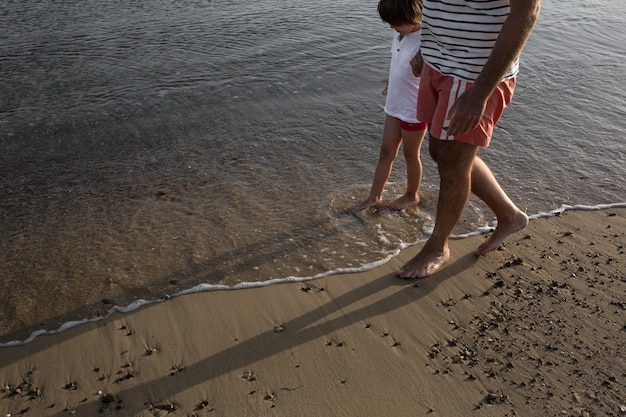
(412, 144)
(392, 138)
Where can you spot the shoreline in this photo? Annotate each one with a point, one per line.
(535, 328)
(140, 303)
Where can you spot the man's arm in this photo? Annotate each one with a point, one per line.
(468, 110)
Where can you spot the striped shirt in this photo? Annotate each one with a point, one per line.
(458, 35)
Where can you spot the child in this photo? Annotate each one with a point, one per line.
(401, 124)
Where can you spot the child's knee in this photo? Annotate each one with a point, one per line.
(388, 153)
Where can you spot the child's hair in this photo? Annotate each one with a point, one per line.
(400, 12)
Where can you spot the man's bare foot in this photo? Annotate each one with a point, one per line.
(405, 201)
(425, 263)
(365, 205)
(503, 230)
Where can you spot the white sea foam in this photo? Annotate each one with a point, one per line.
(247, 285)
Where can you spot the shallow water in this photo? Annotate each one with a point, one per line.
(151, 148)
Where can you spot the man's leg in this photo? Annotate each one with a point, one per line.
(454, 161)
(510, 218)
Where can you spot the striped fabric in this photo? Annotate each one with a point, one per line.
(458, 35)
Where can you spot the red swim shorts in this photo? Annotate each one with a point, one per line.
(438, 93)
(413, 127)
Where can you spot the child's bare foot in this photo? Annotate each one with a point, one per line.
(425, 263)
(370, 202)
(403, 202)
(503, 230)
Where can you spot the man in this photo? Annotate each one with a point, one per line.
(470, 57)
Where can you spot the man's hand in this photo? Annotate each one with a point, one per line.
(466, 113)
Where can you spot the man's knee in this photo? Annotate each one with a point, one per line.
(455, 158)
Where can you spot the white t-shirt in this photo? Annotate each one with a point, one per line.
(403, 86)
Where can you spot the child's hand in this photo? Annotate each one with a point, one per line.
(417, 63)
(384, 93)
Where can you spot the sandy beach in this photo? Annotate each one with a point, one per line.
(536, 328)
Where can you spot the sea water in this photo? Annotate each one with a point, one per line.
(149, 149)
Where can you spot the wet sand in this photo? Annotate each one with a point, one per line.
(536, 328)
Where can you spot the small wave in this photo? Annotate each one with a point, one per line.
(246, 285)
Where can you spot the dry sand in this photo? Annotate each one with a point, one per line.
(536, 328)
